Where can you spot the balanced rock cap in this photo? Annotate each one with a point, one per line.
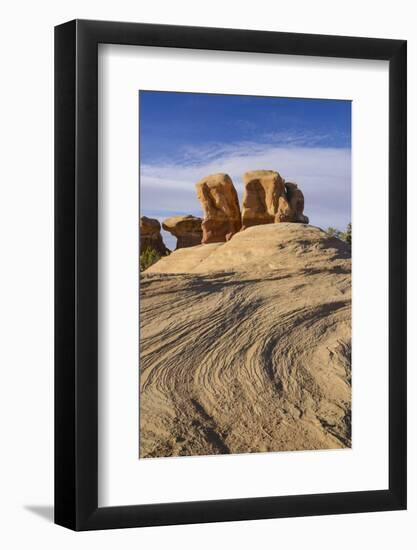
(187, 229)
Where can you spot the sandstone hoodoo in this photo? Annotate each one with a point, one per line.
(262, 191)
(187, 230)
(269, 199)
(220, 204)
(291, 207)
(150, 235)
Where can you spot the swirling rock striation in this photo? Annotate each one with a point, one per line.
(245, 345)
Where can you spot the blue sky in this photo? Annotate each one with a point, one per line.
(184, 137)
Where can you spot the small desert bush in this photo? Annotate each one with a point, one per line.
(342, 235)
(148, 257)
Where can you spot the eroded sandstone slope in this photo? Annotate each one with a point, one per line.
(245, 345)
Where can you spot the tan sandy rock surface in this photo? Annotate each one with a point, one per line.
(245, 345)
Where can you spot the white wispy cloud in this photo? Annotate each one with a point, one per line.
(323, 174)
(197, 154)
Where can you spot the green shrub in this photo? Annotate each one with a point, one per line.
(347, 235)
(333, 232)
(148, 257)
(342, 235)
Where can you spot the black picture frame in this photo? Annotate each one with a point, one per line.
(76, 272)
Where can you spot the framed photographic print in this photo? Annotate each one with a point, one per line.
(230, 244)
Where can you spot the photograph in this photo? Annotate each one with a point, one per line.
(209, 264)
(245, 240)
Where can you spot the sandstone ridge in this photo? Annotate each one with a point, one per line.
(261, 248)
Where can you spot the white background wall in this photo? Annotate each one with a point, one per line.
(26, 287)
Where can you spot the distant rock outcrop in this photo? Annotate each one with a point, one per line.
(220, 204)
(263, 190)
(150, 235)
(187, 229)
